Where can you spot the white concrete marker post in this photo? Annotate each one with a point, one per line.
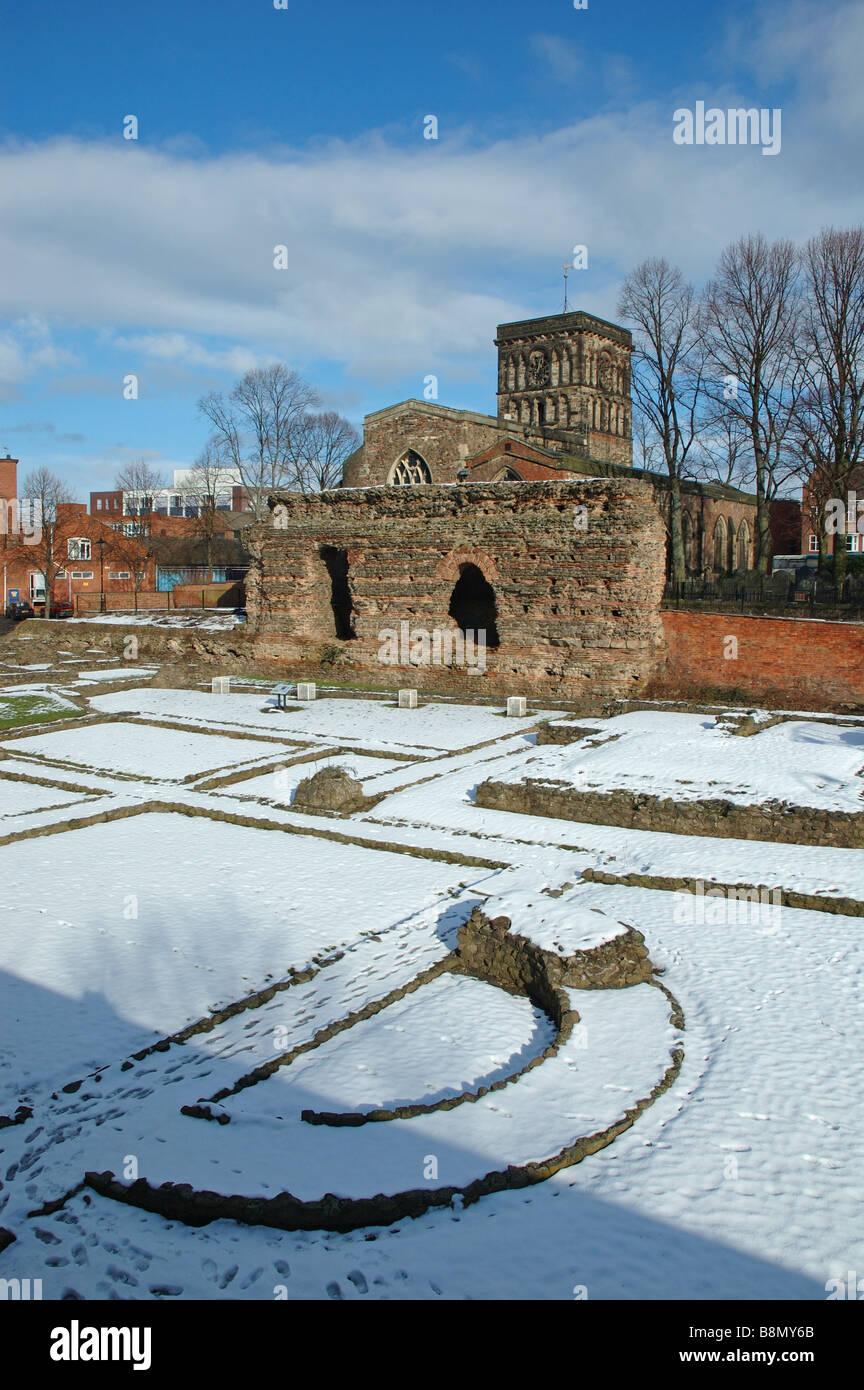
(221, 685)
(306, 690)
(517, 706)
(407, 699)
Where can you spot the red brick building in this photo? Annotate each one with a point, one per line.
(811, 514)
(87, 555)
(106, 505)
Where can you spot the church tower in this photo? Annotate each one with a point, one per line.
(565, 380)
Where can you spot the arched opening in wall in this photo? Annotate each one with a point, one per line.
(472, 604)
(341, 602)
(720, 545)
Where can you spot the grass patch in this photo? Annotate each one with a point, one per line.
(16, 710)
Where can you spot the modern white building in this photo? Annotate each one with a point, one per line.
(185, 497)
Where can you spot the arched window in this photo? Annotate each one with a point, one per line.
(507, 475)
(411, 468)
(687, 539)
(720, 545)
(743, 562)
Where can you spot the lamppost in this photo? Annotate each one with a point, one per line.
(101, 544)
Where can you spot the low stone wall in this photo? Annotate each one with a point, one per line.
(487, 950)
(772, 821)
(749, 895)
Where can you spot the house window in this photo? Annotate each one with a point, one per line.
(79, 549)
(98, 504)
(851, 542)
(814, 543)
(82, 574)
(119, 574)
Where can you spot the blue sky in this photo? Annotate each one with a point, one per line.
(303, 127)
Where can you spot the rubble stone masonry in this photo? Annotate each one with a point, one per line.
(575, 569)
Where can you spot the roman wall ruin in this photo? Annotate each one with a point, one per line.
(565, 578)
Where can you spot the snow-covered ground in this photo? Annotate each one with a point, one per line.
(208, 619)
(375, 724)
(18, 797)
(740, 1181)
(144, 751)
(691, 756)
(120, 673)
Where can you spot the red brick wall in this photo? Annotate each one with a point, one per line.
(790, 662)
(8, 474)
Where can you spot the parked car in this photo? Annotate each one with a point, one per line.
(59, 609)
(19, 611)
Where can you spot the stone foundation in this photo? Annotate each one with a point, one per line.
(773, 821)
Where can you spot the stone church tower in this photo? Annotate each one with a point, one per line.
(567, 379)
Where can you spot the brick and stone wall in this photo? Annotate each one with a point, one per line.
(442, 437)
(568, 375)
(577, 609)
(788, 662)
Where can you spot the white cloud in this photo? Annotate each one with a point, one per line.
(400, 259)
(561, 57)
(180, 348)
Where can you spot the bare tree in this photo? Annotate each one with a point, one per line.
(326, 441)
(668, 367)
(829, 418)
(134, 551)
(207, 480)
(47, 554)
(645, 445)
(724, 453)
(144, 481)
(751, 311)
(258, 429)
